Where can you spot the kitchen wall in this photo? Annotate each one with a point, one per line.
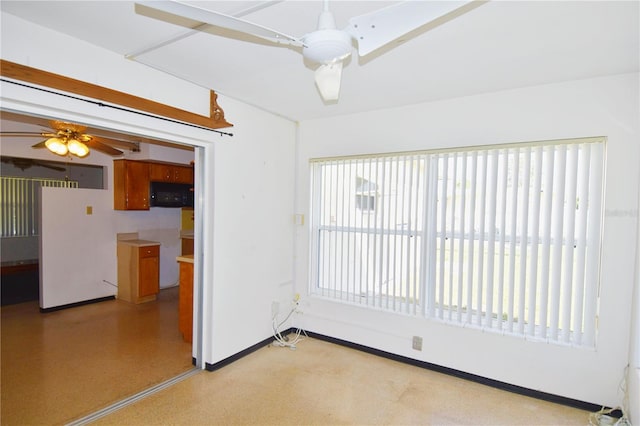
(156, 224)
(606, 106)
(161, 225)
(78, 259)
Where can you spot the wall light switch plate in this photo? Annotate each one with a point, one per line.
(89, 210)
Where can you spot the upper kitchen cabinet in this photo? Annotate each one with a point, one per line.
(163, 172)
(133, 187)
(130, 185)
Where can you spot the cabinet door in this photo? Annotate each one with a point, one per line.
(149, 270)
(161, 173)
(137, 185)
(183, 174)
(185, 305)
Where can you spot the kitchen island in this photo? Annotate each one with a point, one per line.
(138, 270)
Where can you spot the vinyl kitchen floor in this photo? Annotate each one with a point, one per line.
(62, 365)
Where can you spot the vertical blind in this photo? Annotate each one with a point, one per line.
(19, 203)
(505, 238)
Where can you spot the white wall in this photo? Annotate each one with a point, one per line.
(634, 354)
(605, 106)
(253, 224)
(78, 259)
(42, 49)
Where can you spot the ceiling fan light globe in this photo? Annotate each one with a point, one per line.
(328, 81)
(57, 146)
(83, 152)
(72, 145)
(77, 148)
(325, 46)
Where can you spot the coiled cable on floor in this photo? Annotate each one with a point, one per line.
(604, 417)
(284, 341)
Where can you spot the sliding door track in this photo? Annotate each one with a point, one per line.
(133, 398)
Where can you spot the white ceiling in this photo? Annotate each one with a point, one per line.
(496, 46)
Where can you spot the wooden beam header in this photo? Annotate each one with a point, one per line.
(15, 71)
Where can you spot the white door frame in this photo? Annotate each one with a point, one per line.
(47, 104)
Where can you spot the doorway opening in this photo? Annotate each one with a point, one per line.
(80, 350)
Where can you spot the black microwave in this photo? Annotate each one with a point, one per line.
(165, 194)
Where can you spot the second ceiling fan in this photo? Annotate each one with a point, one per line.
(66, 139)
(328, 46)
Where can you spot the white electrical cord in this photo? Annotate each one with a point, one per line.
(284, 341)
(602, 417)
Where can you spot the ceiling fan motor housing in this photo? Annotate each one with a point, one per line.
(325, 46)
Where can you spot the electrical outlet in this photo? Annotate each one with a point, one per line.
(275, 308)
(417, 343)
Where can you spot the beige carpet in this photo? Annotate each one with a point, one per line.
(325, 384)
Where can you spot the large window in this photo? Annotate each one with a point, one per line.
(505, 238)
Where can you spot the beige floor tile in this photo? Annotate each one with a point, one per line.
(324, 384)
(61, 365)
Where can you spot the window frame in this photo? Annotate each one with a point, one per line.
(425, 307)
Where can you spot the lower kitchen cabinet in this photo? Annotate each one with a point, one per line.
(185, 304)
(138, 270)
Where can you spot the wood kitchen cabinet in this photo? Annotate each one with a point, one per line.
(130, 185)
(163, 172)
(187, 245)
(185, 304)
(138, 270)
(131, 181)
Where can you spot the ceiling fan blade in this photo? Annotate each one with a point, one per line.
(27, 134)
(104, 148)
(128, 145)
(25, 163)
(328, 80)
(221, 20)
(49, 166)
(374, 30)
(39, 145)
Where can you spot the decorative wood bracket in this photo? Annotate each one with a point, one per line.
(16, 71)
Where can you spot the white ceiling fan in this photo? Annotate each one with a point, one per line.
(327, 45)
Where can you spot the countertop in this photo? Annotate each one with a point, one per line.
(139, 243)
(14, 266)
(186, 234)
(187, 258)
